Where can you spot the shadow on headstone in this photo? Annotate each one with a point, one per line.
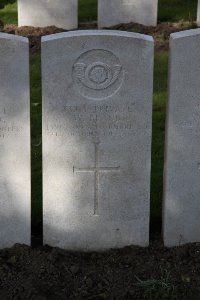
(15, 197)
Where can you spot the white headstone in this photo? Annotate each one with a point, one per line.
(14, 141)
(41, 13)
(114, 12)
(97, 102)
(198, 13)
(182, 162)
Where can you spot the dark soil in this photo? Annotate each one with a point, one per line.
(160, 33)
(130, 273)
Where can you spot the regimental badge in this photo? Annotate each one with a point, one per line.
(97, 74)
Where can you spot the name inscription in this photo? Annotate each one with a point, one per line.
(96, 120)
(8, 127)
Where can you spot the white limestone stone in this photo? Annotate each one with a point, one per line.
(114, 12)
(198, 13)
(181, 208)
(41, 13)
(97, 103)
(15, 216)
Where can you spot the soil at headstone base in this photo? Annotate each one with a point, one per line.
(130, 273)
(160, 33)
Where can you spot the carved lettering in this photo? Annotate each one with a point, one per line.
(8, 128)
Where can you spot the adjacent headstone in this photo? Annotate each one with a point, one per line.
(182, 162)
(97, 103)
(198, 13)
(41, 13)
(114, 12)
(15, 216)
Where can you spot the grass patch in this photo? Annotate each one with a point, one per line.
(177, 10)
(8, 11)
(152, 286)
(159, 108)
(87, 10)
(36, 146)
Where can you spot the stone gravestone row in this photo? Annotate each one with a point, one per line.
(114, 12)
(182, 167)
(14, 141)
(64, 13)
(97, 90)
(41, 13)
(97, 104)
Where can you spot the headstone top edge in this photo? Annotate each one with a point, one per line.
(184, 34)
(13, 37)
(117, 33)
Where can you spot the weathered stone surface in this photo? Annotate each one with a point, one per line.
(114, 12)
(41, 13)
(97, 92)
(182, 162)
(14, 141)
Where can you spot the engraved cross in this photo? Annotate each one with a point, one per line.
(97, 170)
